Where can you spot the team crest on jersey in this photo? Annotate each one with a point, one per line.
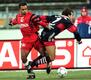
(22, 19)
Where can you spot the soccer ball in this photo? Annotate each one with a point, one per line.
(62, 72)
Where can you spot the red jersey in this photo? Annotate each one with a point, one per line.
(26, 26)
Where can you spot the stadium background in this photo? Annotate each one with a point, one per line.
(68, 52)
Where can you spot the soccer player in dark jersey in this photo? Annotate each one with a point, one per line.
(59, 24)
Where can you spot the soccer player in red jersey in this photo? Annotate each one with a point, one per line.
(29, 26)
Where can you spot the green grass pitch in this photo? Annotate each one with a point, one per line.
(42, 75)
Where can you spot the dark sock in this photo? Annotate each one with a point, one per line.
(34, 61)
(41, 60)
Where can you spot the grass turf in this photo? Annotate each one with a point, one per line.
(42, 75)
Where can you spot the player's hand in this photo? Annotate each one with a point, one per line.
(51, 26)
(79, 42)
(10, 22)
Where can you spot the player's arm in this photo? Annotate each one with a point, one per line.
(77, 36)
(37, 20)
(13, 21)
(73, 29)
(44, 21)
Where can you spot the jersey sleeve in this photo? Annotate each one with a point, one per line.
(37, 20)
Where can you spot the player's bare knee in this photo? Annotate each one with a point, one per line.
(52, 58)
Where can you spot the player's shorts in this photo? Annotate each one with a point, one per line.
(31, 41)
(51, 43)
(48, 36)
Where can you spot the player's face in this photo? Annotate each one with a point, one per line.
(23, 9)
(72, 17)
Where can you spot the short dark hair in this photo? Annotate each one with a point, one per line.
(67, 11)
(22, 4)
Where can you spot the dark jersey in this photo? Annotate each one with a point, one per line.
(59, 23)
(55, 20)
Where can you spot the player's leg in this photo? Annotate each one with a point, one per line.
(25, 49)
(47, 37)
(24, 54)
(43, 58)
(50, 48)
(27, 45)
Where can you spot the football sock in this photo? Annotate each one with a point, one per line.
(40, 60)
(26, 64)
